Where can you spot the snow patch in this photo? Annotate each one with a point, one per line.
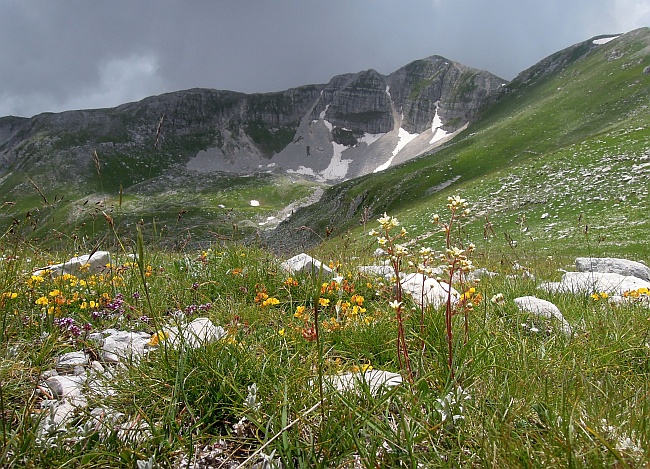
(369, 139)
(268, 220)
(338, 167)
(388, 90)
(255, 203)
(436, 128)
(404, 138)
(604, 40)
(322, 114)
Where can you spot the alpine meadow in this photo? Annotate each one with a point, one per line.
(431, 268)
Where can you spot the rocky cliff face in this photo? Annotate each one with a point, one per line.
(355, 124)
(437, 85)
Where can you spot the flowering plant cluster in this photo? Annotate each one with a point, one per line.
(639, 293)
(75, 304)
(456, 263)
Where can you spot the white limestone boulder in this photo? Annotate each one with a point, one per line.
(123, 345)
(594, 282)
(68, 361)
(614, 266)
(194, 334)
(428, 291)
(56, 416)
(385, 271)
(478, 274)
(544, 309)
(67, 387)
(304, 263)
(376, 380)
(94, 263)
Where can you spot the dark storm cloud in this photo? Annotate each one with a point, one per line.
(58, 55)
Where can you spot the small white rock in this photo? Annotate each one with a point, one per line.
(544, 309)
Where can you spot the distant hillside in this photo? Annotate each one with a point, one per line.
(190, 151)
(567, 139)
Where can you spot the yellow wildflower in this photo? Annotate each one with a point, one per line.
(599, 296)
(157, 338)
(291, 282)
(36, 279)
(10, 295)
(271, 301)
(358, 299)
(468, 294)
(362, 369)
(300, 312)
(325, 302)
(331, 324)
(42, 301)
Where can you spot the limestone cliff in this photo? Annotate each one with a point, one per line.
(355, 124)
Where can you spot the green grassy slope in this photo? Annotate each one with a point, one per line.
(568, 138)
(186, 209)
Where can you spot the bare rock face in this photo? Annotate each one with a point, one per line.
(436, 84)
(357, 102)
(304, 263)
(428, 291)
(93, 263)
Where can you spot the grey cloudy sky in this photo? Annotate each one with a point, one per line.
(57, 55)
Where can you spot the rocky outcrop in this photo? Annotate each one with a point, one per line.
(358, 103)
(437, 85)
(613, 265)
(595, 282)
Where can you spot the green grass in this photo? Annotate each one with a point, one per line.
(533, 400)
(557, 168)
(189, 208)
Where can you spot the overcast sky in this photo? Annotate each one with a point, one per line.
(57, 55)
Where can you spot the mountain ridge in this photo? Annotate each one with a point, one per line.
(242, 132)
(164, 158)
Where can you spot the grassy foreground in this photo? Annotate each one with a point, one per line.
(521, 395)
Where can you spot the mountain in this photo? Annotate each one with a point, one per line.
(349, 127)
(562, 151)
(166, 153)
(561, 148)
